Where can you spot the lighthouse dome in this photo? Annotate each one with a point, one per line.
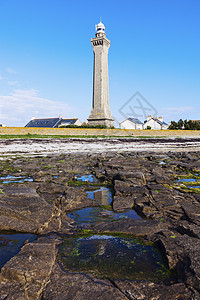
(100, 28)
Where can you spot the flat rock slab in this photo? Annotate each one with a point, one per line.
(148, 290)
(21, 209)
(186, 250)
(121, 204)
(75, 198)
(29, 271)
(130, 226)
(64, 286)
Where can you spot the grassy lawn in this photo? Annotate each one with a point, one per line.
(38, 136)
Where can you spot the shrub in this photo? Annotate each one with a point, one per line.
(84, 126)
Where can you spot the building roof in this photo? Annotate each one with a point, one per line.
(156, 120)
(160, 122)
(49, 122)
(134, 120)
(165, 124)
(69, 121)
(100, 27)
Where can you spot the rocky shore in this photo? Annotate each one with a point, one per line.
(57, 146)
(38, 195)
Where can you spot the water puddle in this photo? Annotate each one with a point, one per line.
(15, 179)
(193, 186)
(87, 178)
(11, 243)
(185, 180)
(103, 195)
(94, 215)
(114, 257)
(104, 213)
(109, 256)
(190, 183)
(162, 163)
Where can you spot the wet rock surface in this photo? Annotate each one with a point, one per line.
(79, 286)
(30, 268)
(149, 183)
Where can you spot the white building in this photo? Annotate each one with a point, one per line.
(131, 123)
(155, 123)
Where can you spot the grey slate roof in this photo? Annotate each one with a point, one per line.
(158, 121)
(135, 120)
(50, 123)
(165, 123)
(68, 121)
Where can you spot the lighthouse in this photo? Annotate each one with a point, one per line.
(100, 113)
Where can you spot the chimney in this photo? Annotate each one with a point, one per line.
(160, 119)
(60, 116)
(33, 118)
(149, 117)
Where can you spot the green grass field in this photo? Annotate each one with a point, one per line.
(38, 136)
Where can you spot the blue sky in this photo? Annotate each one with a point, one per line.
(46, 60)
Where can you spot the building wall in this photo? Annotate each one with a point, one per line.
(127, 124)
(153, 124)
(78, 122)
(97, 132)
(164, 127)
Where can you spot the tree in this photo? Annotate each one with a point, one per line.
(186, 125)
(173, 125)
(180, 124)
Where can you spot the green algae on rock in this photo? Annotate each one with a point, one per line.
(113, 257)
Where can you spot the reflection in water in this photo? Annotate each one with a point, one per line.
(87, 178)
(98, 214)
(92, 215)
(113, 257)
(10, 244)
(103, 196)
(15, 179)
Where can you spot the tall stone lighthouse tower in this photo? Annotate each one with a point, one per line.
(100, 113)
